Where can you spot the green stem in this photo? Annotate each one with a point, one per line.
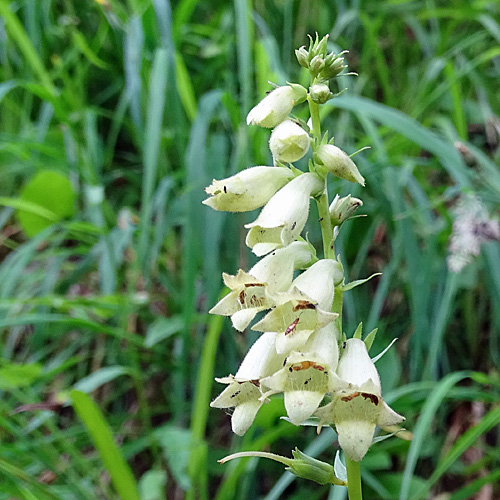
(316, 122)
(326, 225)
(261, 454)
(353, 479)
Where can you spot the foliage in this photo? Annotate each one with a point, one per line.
(139, 105)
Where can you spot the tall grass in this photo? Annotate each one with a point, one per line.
(140, 104)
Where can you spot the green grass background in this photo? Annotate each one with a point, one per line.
(108, 354)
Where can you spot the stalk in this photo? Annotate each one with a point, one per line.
(353, 479)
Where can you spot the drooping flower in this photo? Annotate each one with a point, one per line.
(357, 406)
(247, 190)
(276, 106)
(248, 296)
(244, 392)
(338, 163)
(289, 142)
(256, 290)
(304, 381)
(281, 221)
(294, 321)
(276, 269)
(305, 308)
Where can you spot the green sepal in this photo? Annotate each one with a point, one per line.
(359, 332)
(354, 284)
(315, 470)
(370, 338)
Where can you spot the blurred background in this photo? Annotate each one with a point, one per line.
(113, 117)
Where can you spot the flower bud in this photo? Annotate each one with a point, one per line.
(281, 221)
(321, 47)
(316, 65)
(320, 93)
(302, 56)
(338, 163)
(333, 66)
(308, 467)
(289, 142)
(342, 209)
(249, 189)
(276, 106)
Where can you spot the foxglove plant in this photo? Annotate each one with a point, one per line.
(302, 352)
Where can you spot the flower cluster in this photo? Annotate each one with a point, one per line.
(302, 352)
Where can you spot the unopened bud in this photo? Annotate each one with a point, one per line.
(316, 65)
(302, 56)
(332, 69)
(276, 106)
(338, 163)
(342, 209)
(320, 93)
(308, 467)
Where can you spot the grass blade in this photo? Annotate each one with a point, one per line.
(120, 472)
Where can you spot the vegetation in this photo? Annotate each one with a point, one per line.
(114, 116)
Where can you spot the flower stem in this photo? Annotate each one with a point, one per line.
(316, 123)
(353, 479)
(326, 225)
(261, 454)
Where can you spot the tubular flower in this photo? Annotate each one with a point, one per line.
(289, 142)
(276, 269)
(248, 296)
(276, 106)
(294, 321)
(304, 309)
(243, 391)
(249, 189)
(304, 380)
(338, 163)
(357, 406)
(281, 221)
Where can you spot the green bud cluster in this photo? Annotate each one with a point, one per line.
(322, 65)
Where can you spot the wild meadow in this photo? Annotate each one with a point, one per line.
(114, 117)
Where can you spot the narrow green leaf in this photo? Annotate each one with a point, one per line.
(99, 377)
(466, 440)
(420, 434)
(120, 472)
(163, 328)
(152, 138)
(16, 375)
(185, 87)
(410, 128)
